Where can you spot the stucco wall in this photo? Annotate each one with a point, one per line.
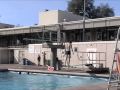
(57, 16)
(76, 57)
(48, 17)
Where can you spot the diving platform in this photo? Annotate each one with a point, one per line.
(50, 45)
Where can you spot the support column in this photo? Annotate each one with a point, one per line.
(53, 57)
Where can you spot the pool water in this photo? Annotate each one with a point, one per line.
(15, 81)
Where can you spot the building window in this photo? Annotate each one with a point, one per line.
(112, 35)
(99, 35)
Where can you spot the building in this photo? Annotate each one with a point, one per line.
(26, 42)
(3, 25)
(56, 17)
(4, 51)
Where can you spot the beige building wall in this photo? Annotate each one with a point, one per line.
(76, 57)
(36, 49)
(57, 16)
(48, 17)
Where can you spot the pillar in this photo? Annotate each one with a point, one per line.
(53, 57)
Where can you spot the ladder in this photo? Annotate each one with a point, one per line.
(114, 77)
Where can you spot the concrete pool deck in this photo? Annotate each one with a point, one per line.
(92, 87)
(41, 69)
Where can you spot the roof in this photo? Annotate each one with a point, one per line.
(89, 23)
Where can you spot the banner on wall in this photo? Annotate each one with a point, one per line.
(37, 49)
(33, 48)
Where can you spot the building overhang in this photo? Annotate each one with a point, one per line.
(89, 23)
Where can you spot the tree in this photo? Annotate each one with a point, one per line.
(76, 6)
(103, 11)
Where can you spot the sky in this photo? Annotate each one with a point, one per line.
(25, 12)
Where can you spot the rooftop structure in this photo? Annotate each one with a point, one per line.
(3, 25)
(56, 17)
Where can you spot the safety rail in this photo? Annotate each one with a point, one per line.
(97, 59)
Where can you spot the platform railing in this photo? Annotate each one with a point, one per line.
(97, 59)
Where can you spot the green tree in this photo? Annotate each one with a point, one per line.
(103, 11)
(77, 6)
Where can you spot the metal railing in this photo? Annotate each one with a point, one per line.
(97, 59)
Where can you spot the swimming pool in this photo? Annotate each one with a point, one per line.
(15, 81)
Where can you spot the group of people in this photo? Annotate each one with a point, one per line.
(58, 63)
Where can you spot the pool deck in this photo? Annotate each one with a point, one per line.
(41, 69)
(92, 87)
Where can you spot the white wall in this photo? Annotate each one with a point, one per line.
(107, 47)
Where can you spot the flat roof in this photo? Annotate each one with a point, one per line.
(89, 23)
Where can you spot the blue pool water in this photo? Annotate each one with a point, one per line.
(15, 81)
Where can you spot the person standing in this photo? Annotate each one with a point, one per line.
(39, 58)
(68, 50)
